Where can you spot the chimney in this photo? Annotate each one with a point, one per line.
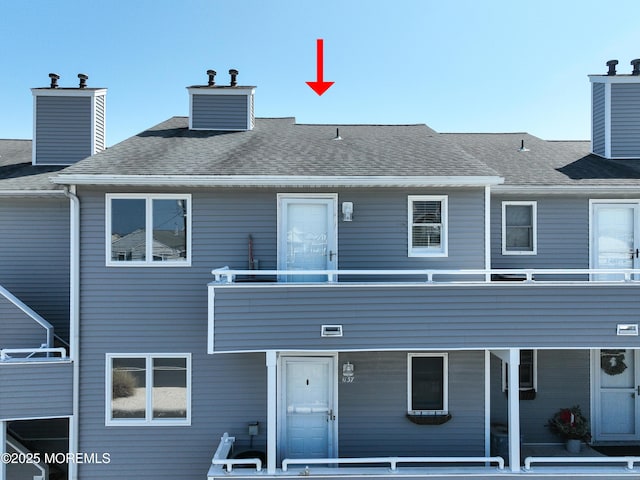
(615, 112)
(68, 123)
(221, 107)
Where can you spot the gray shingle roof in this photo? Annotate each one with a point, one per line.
(282, 147)
(546, 163)
(17, 172)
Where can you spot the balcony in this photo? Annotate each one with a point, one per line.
(253, 310)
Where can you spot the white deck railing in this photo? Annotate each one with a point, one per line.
(32, 354)
(527, 275)
(392, 461)
(630, 461)
(220, 458)
(27, 455)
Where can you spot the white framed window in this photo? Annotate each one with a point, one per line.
(519, 228)
(528, 371)
(428, 383)
(148, 230)
(148, 389)
(427, 223)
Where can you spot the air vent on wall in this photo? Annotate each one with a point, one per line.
(331, 331)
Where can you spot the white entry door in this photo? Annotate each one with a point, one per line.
(308, 417)
(615, 237)
(307, 235)
(617, 395)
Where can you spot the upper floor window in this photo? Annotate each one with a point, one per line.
(428, 383)
(427, 226)
(148, 389)
(148, 229)
(519, 224)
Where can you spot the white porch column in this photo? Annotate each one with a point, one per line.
(272, 398)
(513, 374)
(3, 449)
(487, 403)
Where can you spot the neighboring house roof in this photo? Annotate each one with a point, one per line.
(546, 163)
(280, 147)
(18, 174)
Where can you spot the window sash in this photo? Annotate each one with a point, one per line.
(519, 228)
(427, 383)
(427, 222)
(161, 238)
(156, 392)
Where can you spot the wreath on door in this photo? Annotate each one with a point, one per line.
(612, 362)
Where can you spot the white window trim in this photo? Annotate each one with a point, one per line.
(148, 262)
(444, 236)
(534, 233)
(148, 420)
(445, 386)
(535, 373)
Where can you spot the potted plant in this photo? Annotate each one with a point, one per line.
(572, 426)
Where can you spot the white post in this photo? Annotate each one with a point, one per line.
(272, 397)
(487, 403)
(3, 449)
(513, 374)
(487, 232)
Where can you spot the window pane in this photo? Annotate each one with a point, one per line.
(519, 227)
(169, 230)
(128, 229)
(427, 383)
(169, 388)
(519, 238)
(128, 388)
(427, 211)
(519, 215)
(427, 236)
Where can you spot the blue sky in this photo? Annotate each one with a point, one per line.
(458, 66)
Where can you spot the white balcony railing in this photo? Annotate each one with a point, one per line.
(32, 354)
(527, 275)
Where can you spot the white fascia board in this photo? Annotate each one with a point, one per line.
(614, 78)
(566, 189)
(277, 180)
(68, 92)
(221, 90)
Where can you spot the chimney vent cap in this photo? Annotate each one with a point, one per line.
(234, 74)
(612, 67)
(212, 75)
(636, 66)
(54, 80)
(83, 80)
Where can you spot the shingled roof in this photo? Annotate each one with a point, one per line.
(546, 163)
(18, 174)
(280, 147)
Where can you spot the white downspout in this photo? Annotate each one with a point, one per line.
(74, 320)
(3, 449)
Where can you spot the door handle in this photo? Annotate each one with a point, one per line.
(331, 255)
(634, 253)
(638, 390)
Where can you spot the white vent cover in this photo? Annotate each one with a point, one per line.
(331, 331)
(627, 329)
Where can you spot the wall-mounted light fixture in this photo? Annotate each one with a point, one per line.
(347, 211)
(254, 429)
(348, 370)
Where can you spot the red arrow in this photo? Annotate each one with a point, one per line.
(320, 86)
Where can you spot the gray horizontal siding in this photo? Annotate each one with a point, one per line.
(34, 256)
(562, 234)
(598, 114)
(563, 381)
(19, 330)
(372, 409)
(396, 317)
(63, 129)
(36, 390)
(219, 112)
(625, 120)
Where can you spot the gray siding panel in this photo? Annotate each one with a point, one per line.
(396, 317)
(220, 112)
(372, 409)
(34, 256)
(557, 388)
(625, 120)
(563, 234)
(36, 390)
(19, 330)
(63, 129)
(598, 114)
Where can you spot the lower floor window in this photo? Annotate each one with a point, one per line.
(148, 389)
(428, 383)
(527, 371)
